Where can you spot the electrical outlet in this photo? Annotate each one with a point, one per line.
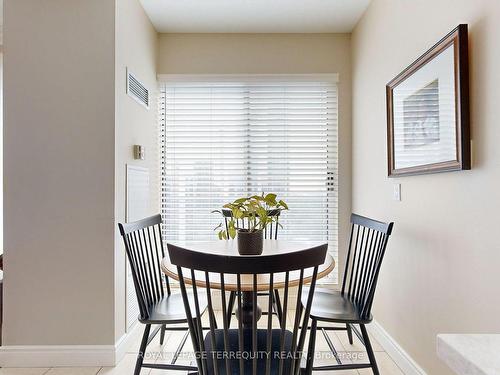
(397, 192)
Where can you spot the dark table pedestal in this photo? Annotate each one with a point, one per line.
(247, 310)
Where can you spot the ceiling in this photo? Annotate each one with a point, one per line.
(254, 16)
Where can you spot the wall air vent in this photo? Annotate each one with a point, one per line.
(136, 90)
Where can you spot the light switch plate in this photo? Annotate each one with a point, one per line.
(397, 192)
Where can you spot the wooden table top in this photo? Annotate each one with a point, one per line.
(230, 248)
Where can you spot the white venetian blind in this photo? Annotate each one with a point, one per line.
(225, 138)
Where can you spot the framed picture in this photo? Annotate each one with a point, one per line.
(428, 111)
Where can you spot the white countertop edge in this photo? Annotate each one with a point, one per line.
(470, 354)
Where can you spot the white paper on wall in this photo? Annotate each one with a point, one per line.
(137, 207)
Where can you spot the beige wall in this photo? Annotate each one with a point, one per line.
(69, 132)
(272, 54)
(254, 53)
(441, 270)
(59, 168)
(136, 47)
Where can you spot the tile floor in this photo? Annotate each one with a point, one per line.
(126, 366)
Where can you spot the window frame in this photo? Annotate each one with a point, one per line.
(172, 79)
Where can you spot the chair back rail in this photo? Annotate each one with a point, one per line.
(145, 251)
(243, 345)
(367, 244)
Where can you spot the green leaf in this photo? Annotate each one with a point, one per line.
(257, 197)
(232, 232)
(283, 204)
(237, 213)
(270, 197)
(240, 201)
(262, 212)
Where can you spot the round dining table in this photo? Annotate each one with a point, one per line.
(230, 247)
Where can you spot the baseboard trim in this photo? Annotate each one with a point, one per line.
(124, 343)
(65, 355)
(57, 355)
(396, 352)
(110, 355)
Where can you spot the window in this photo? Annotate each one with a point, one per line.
(227, 137)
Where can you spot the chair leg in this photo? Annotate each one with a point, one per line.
(311, 348)
(349, 333)
(142, 349)
(230, 307)
(369, 350)
(162, 333)
(277, 304)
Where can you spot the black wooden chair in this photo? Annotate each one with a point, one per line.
(144, 247)
(352, 305)
(270, 232)
(247, 350)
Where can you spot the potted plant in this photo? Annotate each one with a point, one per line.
(254, 214)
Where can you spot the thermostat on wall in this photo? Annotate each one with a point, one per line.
(139, 152)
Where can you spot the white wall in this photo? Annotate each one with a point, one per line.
(273, 54)
(59, 172)
(136, 47)
(441, 268)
